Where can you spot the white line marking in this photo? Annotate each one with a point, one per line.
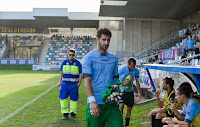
(16, 111)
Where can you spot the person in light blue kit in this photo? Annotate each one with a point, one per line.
(190, 115)
(128, 96)
(185, 46)
(191, 44)
(70, 80)
(132, 55)
(99, 69)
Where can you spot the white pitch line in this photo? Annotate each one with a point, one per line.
(16, 111)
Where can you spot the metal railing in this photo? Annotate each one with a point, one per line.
(187, 58)
(170, 36)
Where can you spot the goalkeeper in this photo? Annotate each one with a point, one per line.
(127, 74)
(99, 69)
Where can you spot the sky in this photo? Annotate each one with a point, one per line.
(28, 5)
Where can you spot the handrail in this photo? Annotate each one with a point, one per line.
(154, 51)
(153, 54)
(183, 59)
(162, 38)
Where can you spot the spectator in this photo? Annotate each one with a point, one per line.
(184, 62)
(155, 59)
(150, 61)
(132, 55)
(191, 53)
(190, 43)
(194, 38)
(188, 30)
(197, 46)
(185, 46)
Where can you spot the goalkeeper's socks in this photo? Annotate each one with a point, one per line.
(127, 121)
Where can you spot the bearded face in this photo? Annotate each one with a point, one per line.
(103, 42)
(164, 85)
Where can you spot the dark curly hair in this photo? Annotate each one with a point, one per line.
(131, 59)
(104, 31)
(186, 89)
(169, 81)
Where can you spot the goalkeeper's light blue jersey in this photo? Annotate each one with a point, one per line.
(102, 69)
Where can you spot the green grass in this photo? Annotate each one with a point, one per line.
(19, 87)
(139, 114)
(13, 81)
(45, 112)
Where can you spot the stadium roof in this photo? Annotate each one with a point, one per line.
(159, 9)
(109, 10)
(50, 17)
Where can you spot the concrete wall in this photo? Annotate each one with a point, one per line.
(116, 42)
(141, 34)
(190, 20)
(116, 28)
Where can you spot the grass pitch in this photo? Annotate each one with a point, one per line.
(19, 87)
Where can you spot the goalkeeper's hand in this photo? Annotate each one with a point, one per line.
(126, 83)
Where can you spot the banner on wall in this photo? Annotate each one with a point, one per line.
(169, 54)
(4, 61)
(41, 67)
(33, 43)
(182, 33)
(17, 61)
(46, 67)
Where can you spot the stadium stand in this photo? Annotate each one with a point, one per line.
(172, 42)
(28, 38)
(59, 45)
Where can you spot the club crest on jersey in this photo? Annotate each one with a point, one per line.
(188, 113)
(171, 98)
(115, 86)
